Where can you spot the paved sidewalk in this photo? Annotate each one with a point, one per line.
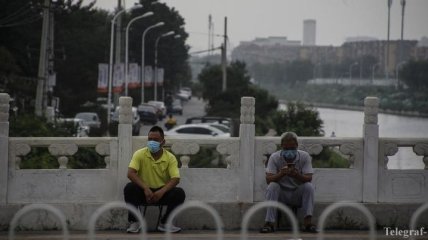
(208, 235)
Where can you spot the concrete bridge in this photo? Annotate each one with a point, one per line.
(391, 196)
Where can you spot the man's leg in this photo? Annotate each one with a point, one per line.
(173, 198)
(272, 194)
(303, 196)
(134, 195)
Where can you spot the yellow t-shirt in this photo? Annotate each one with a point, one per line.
(155, 173)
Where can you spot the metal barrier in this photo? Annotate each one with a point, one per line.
(32, 207)
(219, 224)
(415, 217)
(111, 205)
(196, 204)
(331, 208)
(261, 205)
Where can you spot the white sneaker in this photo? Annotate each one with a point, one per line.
(163, 228)
(134, 227)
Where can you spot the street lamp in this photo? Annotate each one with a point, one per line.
(389, 3)
(350, 69)
(403, 6)
(397, 68)
(156, 62)
(373, 70)
(143, 74)
(147, 14)
(110, 74)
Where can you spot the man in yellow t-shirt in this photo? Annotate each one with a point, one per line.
(154, 175)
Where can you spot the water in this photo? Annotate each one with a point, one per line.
(345, 123)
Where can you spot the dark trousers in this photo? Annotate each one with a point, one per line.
(134, 195)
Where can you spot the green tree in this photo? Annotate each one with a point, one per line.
(415, 75)
(299, 118)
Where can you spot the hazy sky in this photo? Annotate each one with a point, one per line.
(335, 19)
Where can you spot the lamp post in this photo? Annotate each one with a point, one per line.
(110, 74)
(389, 3)
(350, 69)
(156, 62)
(403, 6)
(373, 71)
(164, 83)
(147, 14)
(143, 74)
(396, 71)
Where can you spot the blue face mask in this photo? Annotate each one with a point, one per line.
(289, 154)
(153, 146)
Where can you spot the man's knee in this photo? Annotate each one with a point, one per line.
(129, 187)
(179, 193)
(308, 187)
(273, 187)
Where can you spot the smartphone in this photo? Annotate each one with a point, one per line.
(291, 165)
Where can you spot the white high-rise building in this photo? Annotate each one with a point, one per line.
(309, 32)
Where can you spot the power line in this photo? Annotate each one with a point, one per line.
(23, 22)
(18, 13)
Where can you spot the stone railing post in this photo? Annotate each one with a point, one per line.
(4, 145)
(124, 143)
(371, 149)
(246, 150)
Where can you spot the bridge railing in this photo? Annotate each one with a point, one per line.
(240, 180)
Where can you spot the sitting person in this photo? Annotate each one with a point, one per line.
(154, 175)
(289, 175)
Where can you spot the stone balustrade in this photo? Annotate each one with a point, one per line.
(367, 180)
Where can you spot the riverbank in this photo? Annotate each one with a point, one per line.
(361, 108)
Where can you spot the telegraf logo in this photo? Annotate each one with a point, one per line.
(405, 233)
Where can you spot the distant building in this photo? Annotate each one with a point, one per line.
(360, 39)
(423, 42)
(309, 32)
(271, 41)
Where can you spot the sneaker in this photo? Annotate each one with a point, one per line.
(134, 227)
(163, 228)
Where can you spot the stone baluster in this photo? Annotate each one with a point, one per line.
(103, 149)
(422, 150)
(230, 149)
(185, 149)
(4, 145)
(371, 149)
(62, 151)
(21, 150)
(246, 150)
(124, 142)
(390, 149)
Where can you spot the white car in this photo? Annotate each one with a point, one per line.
(196, 130)
(160, 105)
(79, 128)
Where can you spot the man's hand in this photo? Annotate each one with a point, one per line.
(293, 173)
(149, 195)
(157, 195)
(284, 171)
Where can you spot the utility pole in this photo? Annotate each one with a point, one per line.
(224, 56)
(42, 73)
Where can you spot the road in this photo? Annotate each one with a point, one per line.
(193, 108)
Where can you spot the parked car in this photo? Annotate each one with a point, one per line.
(79, 128)
(210, 119)
(161, 106)
(196, 130)
(91, 120)
(183, 95)
(187, 90)
(136, 124)
(148, 113)
(177, 107)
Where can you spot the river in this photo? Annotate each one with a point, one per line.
(347, 123)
